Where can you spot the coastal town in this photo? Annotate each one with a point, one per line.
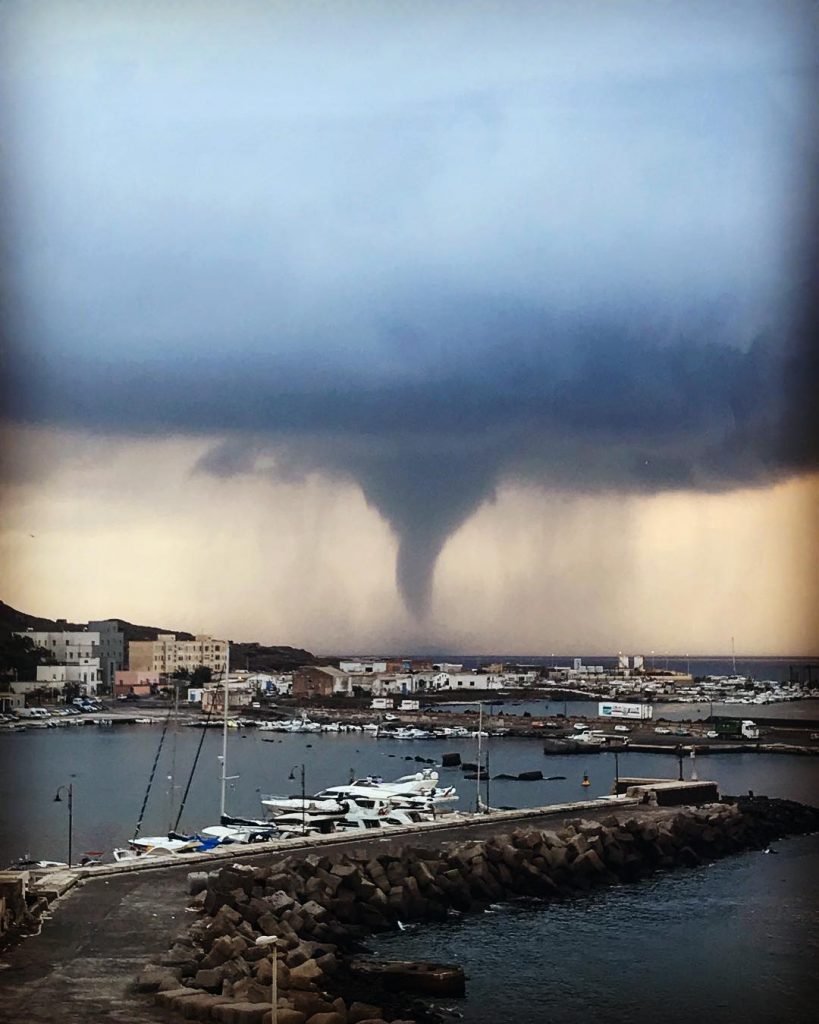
(97, 662)
(304, 868)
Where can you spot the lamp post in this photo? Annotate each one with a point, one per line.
(292, 776)
(487, 775)
(271, 941)
(478, 737)
(69, 790)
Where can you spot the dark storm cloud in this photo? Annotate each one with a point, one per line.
(428, 254)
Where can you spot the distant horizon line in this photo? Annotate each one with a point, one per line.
(613, 657)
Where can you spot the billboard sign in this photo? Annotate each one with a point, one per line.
(610, 709)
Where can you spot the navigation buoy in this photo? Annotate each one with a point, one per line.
(585, 781)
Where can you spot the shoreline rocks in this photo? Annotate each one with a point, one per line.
(322, 906)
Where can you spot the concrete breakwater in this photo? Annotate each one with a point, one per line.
(322, 906)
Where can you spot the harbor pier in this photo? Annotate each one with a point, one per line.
(113, 921)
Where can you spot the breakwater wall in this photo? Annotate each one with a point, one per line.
(321, 906)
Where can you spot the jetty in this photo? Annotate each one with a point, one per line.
(171, 938)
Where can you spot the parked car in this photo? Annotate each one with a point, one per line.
(621, 728)
(662, 731)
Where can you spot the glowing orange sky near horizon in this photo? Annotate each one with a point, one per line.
(121, 527)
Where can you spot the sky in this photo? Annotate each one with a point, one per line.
(473, 327)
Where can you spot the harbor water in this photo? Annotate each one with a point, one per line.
(109, 770)
(734, 940)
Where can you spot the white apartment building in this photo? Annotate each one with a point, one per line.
(69, 647)
(265, 682)
(86, 674)
(361, 666)
(467, 681)
(167, 654)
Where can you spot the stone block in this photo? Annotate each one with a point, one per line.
(279, 901)
(153, 977)
(358, 1013)
(166, 997)
(197, 882)
(209, 978)
(314, 910)
(285, 1015)
(240, 1013)
(201, 1007)
(306, 975)
(310, 1003)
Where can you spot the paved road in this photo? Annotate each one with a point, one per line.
(82, 965)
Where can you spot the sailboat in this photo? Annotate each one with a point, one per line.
(174, 841)
(233, 829)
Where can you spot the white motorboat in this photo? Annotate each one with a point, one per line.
(34, 865)
(310, 805)
(158, 846)
(388, 795)
(242, 833)
(453, 732)
(297, 824)
(299, 725)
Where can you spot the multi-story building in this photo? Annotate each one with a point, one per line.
(69, 647)
(77, 656)
(111, 650)
(86, 675)
(135, 684)
(166, 654)
(321, 681)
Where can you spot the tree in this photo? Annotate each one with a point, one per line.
(201, 675)
(70, 691)
(19, 657)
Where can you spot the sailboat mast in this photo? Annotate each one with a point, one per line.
(225, 729)
(172, 777)
(478, 783)
(733, 656)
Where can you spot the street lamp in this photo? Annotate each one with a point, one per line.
(271, 941)
(69, 790)
(292, 776)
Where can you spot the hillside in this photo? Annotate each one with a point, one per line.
(253, 656)
(12, 620)
(258, 658)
